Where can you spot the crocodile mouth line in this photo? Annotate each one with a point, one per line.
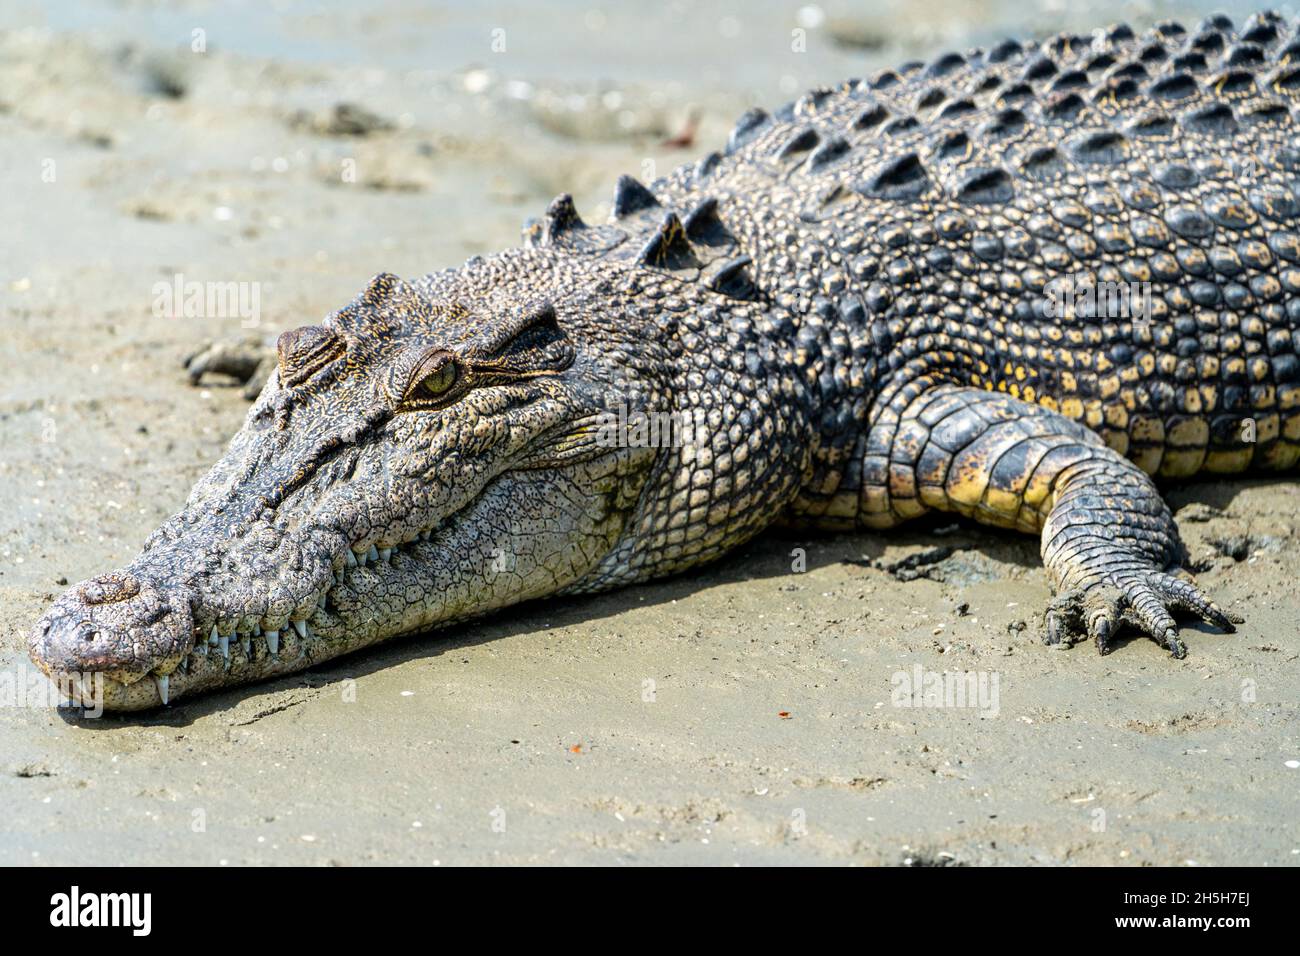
(252, 650)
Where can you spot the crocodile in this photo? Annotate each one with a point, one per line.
(1026, 285)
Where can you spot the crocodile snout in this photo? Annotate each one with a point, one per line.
(120, 625)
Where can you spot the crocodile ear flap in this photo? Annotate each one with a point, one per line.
(532, 343)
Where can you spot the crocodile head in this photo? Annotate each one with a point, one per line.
(427, 454)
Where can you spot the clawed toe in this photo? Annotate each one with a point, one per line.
(1141, 600)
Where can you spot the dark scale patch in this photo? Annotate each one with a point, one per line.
(1119, 91)
(1129, 71)
(1005, 123)
(901, 178)
(953, 146)
(1230, 212)
(1265, 113)
(1102, 61)
(630, 196)
(811, 101)
(1044, 163)
(1210, 41)
(1233, 82)
(1215, 119)
(1259, 30)
(987, 247)
(1286, 245)
(1152, 123)
(746, 127)
(1153, 53)
(702, 224)
(1289, 53)
(1107, 147)
(1063, 107)
(801, 142)
(1119, 33)
(986, 185)
(1189, 222)
(945, 64)
(1016, 92)
(1004, 51)
(1244, 54)
(870, 117)
(1286, 81)
(1065, 43)
(732, 279)
(561, 217)
(1189, 63)
(1073, 80)
(708, 165)
(903, 124)
(669, 248)
(1175, 176)
(957, 108)
(1039, 68)
(931, 98)
(834, 148)
(1179, 86)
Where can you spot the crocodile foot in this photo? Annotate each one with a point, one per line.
(248, 359)
(1142, 598)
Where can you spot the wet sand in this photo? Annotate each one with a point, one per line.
(747, 713)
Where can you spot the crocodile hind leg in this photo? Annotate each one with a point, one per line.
(1109, 543)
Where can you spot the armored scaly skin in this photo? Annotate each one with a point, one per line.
(853, 301)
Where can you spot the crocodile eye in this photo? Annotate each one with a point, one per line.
(436, 379)
(439, 381)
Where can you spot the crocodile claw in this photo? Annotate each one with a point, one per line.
(1144, 600)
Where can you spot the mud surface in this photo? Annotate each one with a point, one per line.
(744, 714)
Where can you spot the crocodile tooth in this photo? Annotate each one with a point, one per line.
(385, 554)
(163, 682)
(257, 629)
(214, 636)
(350, 558)
(246, 643)
(372, 554)
(223, 641)
(272, 642)
(320, 602)
(301, 628)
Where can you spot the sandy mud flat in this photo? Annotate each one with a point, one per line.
(754, 712)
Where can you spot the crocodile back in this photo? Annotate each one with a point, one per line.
(1106, 225)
